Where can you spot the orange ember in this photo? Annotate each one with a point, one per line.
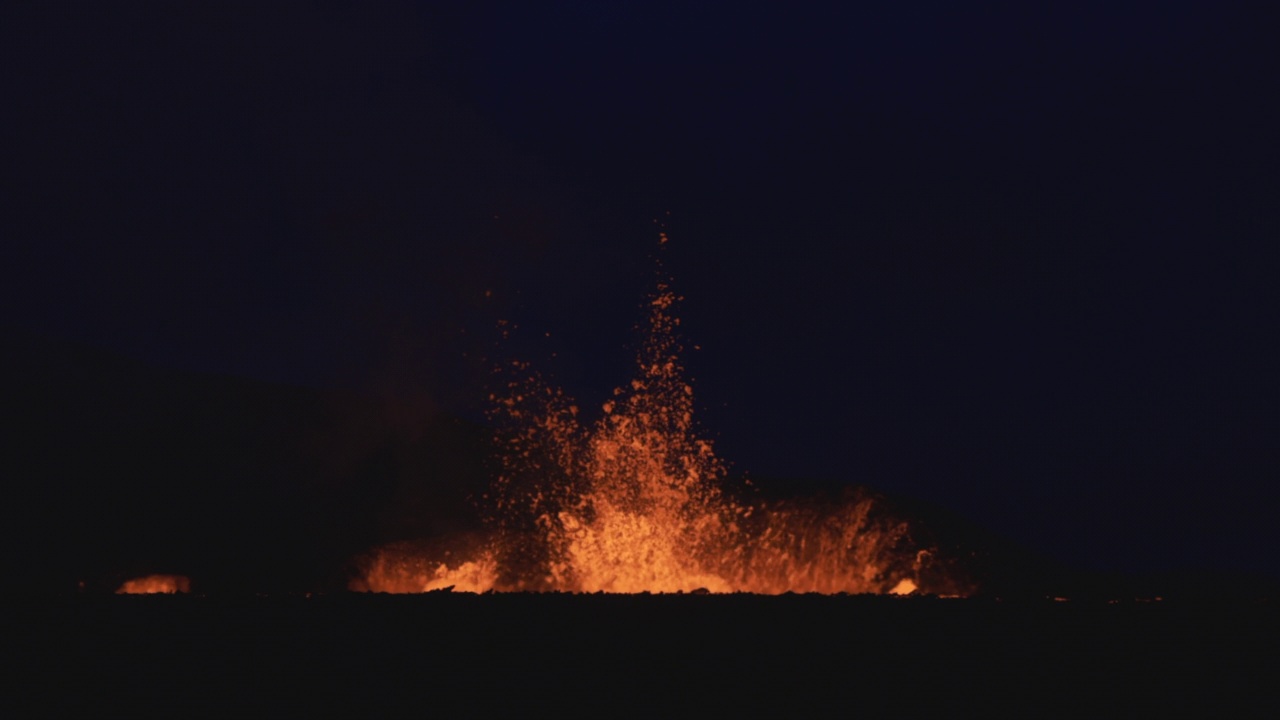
(152, 584)
(635, 501)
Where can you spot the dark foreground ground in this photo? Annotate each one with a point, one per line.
(428, 655)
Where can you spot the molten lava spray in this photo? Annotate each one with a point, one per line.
(635, 501)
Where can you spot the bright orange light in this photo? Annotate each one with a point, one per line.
(904, 587)
(634, 502)
(152, 584)
(398, 569)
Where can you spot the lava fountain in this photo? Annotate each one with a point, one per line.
(637, 501)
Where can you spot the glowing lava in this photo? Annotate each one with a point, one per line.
(155, 584)
(636, 501)
(403, 568)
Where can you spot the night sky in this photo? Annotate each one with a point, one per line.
(1013, 260)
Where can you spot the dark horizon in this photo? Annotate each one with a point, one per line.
(1016, 263)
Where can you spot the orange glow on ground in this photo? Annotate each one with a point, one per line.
(155, 584)
(904, 587)
(634, 502)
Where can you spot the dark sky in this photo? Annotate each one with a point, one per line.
(1012, 259)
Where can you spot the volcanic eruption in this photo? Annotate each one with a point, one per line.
(155, 585)
(637, 501)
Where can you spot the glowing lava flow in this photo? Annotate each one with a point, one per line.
(155, 584)
(635, 502)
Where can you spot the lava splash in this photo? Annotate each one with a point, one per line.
(637, 501)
